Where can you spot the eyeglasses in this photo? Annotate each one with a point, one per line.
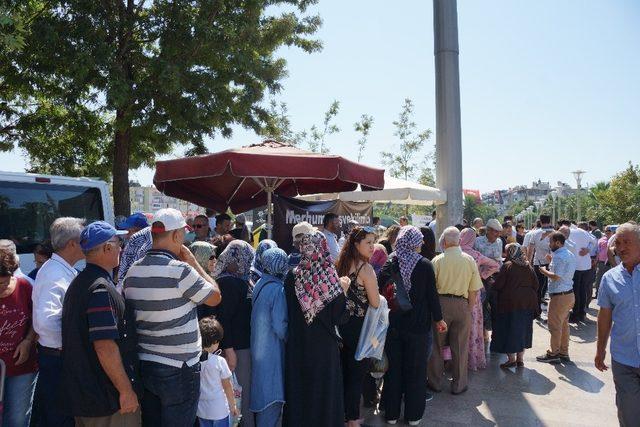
(199, 225)
(367, 229)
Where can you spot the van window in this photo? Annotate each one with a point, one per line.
(28, 209)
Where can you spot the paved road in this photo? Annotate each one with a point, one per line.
(540, 394)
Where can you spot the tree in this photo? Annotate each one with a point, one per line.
(315, 137)
(363, 126)
(124, 81)
(621, 201)
(426, 171)
(401, 162)
(278, 126)
(474, 208)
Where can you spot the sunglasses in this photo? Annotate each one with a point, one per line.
(199, 225)
(212, 258)
(367, 229)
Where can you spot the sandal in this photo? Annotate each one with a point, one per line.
(507, 364)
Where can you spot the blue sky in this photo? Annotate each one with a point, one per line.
(547, 86)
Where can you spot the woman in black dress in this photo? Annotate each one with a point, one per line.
(316, 304)
(353, 262)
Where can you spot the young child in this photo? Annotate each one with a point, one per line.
(217, 400)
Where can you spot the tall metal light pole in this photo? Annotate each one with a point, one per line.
(448, 133)
(578, 176)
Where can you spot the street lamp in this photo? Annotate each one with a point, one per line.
(554, 197)
(578, 176)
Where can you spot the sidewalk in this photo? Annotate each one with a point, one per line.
(540, 394)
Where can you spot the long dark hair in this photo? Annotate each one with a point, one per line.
(428, 243)
(349, 253)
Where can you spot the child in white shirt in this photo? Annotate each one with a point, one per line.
(217, 399)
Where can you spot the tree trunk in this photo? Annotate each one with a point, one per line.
(122, 140)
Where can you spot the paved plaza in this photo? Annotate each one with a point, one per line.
(540, 394)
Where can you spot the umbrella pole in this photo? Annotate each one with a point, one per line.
(269, 213)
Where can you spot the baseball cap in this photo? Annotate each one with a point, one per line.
(303, 228)
(137, 220)
(241, 219)
(494, 224)
(97, 233)
(169, 219)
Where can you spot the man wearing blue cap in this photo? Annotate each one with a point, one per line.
(134, 223)
(99, 357)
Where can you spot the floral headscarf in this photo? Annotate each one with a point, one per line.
(316, 278)
(202, 251)
(238, 253)
(257, 266)
(408, 240)
(515, 254)
(275, 263)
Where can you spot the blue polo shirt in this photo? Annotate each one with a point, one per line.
(620, 291)
(562, 264)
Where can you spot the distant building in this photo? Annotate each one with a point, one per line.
(538, 192)
(150, 200)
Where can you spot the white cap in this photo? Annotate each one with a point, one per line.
(303, 228)
(494, 224)
(171, 219)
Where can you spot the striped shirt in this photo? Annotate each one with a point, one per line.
(165, 293)
(101, 316)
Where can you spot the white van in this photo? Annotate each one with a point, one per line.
(29, 203)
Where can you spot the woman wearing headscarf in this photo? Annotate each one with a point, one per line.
(234, 314)
(203, 251)
(517, 296)
(487, 267)
(257, 266)
(379, 257)
(353, 262)
(428, 243)
(316, 304)
(268, 335)
(409, 336)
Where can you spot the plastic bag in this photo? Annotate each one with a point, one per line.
(374, 332)
(237, 391)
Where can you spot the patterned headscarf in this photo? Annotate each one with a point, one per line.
(316, 278)
(515, 254)
(257, 266)
(202, 251)
(275, 262)
(409, 239)
(238, 253)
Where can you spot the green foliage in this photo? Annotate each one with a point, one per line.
(402, 162)
(427, 171)
(315, 137)
(278, 127)
(473, 208)
(363, 126)
(149, 75)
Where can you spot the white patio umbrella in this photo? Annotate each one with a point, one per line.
(397, 191)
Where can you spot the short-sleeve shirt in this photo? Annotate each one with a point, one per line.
(101, 316)
(562, 264)
(15, 321)
(213, 404)
(456, 273)
(165, 293)
(540, 242)
(488, 249)
(582, 239)
(620, 292)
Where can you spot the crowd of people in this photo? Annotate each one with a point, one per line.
(172, 324)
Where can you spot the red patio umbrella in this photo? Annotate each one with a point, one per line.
(247, 177)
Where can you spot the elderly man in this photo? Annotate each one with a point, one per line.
(560, 274)
(584, 243)
(134, 223)
(602, 264)
(619, 316)
(52, 283)
(538, 251)
(201, 230)
(457, 280)
(165, 288)
(490, 245)
(99, 345)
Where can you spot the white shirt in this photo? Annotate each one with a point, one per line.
(332, 242)
(540, 241)
(581, 239)
(19, 274)
(52, 282)
(213, 404)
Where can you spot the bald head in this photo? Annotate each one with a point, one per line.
(627, 245)
(565, 231)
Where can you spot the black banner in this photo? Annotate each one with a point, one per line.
(288, 212)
